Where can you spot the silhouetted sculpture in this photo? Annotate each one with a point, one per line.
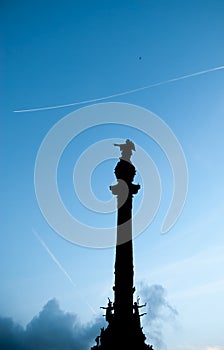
(97, 341)
(126, 149)
(124, 331)
(109, 308)
(136, 315)
(136, 307)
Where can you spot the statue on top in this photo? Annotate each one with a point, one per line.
(126, 149)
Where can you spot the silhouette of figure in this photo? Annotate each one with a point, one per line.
(126, 149)
(136, 308)
(108, 309)
(97, 341)
(102, 337)
(136, 315)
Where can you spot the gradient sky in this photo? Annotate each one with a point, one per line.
(57, 53)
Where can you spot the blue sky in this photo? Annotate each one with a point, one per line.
(55, 54)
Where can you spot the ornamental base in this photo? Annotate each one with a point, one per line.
(119, 336)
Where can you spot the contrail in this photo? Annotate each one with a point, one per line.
(60, 266)
(127, 92)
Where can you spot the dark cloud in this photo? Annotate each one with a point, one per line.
(11, 335)
(52, 329)
(159, 313)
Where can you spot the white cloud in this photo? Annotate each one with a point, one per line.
(195, 347)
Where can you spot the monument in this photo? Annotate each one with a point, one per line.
(124, 329)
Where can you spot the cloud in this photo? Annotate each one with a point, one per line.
(51, 329)
(11, 335)
(54, 329)
(196, 347)
(159, 312)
